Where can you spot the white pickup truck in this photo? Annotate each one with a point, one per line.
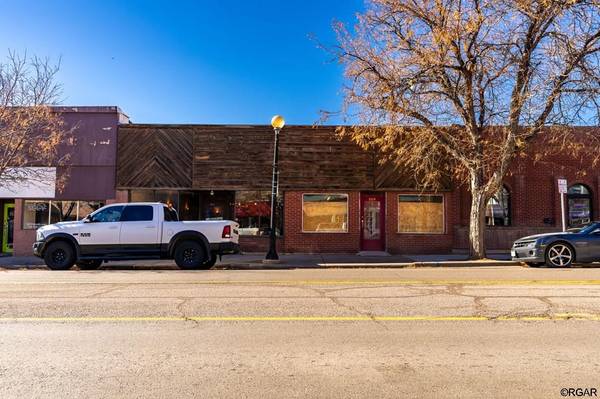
(138, 230)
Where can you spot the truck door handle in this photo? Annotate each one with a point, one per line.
(113, 227)
(150, 227)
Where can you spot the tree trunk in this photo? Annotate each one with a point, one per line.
(477, 224)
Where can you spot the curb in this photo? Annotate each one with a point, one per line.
(284, 266)
(411, 265)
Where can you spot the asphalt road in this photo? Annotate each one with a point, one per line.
(478, 332)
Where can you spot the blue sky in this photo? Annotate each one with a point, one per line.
(188, 61)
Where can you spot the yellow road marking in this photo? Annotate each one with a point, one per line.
(317, 282)
(555, 317)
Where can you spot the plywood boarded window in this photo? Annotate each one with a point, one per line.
(421, 214)
(325, 213)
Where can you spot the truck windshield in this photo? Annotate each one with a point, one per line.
(589, 228)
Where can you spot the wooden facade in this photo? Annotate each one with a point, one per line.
(239, 157)
(206, 157)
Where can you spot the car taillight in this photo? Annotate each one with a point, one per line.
(226, 232)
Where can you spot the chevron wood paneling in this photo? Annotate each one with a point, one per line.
(221, 157)
(154, 157)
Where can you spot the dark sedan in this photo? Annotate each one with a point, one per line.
(559, 249)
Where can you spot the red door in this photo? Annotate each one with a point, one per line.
(372, 222)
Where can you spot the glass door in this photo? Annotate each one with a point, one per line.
(372, 221)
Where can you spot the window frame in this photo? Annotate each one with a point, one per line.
(139, 206)
(421, 232)
(104, 208)
(346, 231)
(508, 207)
(589, 196)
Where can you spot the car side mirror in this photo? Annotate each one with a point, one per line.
(87, 219)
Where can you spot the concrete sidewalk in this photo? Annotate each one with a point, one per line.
(294, 261)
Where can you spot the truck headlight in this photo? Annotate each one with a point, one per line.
(39, 236)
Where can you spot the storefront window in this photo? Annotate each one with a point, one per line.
(420, 214)
(325, 213)
(141, 195)
(87, 207)
(497, 211)
(579, 205)
(169, 197)
(253, 212)
(35, 214)
(38, 213)
(63, 211)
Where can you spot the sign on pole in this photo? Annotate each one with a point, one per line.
(562, 186)
(562, 189)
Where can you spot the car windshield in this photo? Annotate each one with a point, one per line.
(589, 228)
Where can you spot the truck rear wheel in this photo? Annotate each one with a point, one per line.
(59, 255)
(89, 264)
(190, 255)
(210, 262)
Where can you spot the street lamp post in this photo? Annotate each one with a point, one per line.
(277, 122)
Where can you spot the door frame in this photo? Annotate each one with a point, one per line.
(5, 209)
(382, 218)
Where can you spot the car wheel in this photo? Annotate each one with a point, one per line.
(560, 255)
(190, 255)
(59, 256)
(89, 264)
(534, 264)
(211, 262)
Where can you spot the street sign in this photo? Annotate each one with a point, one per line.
(562, 186)
(562, 189)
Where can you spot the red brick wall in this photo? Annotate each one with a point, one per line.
(297, 241)
(533, 197)
(249, 244)
(22, 239)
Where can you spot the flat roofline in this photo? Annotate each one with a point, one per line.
(224, 125)
(88, 109)
(241, 125)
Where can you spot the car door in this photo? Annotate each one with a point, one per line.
(592, 247)
(99, 234)
(139, 230)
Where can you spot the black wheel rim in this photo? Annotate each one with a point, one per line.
(190, 256)
(59, 257)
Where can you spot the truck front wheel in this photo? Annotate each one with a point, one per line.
(59, 255)
(190, 255)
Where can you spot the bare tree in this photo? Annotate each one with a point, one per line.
(30, 132)
(462, 87)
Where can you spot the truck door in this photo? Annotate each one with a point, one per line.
(99, 235)
(139, 230)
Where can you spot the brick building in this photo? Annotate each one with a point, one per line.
(89, 179)
(334, 196)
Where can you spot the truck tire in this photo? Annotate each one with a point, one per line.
(211, 262)
(190, 255)
(89, 264)
(59, 255)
